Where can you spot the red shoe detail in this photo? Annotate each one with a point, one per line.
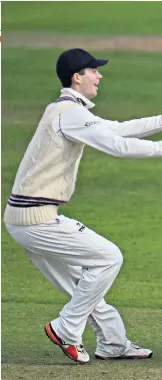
(51, 335)
(72, 352)
(69, 350)
(101, 357)
(137, 357)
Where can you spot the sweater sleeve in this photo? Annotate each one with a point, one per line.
(136, 128)
(80, 125)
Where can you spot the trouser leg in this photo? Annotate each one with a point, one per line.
(109, 329)
(102, 266)
(91, 287)
(105, 320)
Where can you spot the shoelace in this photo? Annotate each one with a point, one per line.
(135, 345)
(81, 348)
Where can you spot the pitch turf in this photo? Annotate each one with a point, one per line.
(119, 198)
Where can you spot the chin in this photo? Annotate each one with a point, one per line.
(93, 95)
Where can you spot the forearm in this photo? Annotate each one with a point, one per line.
(136, 128)
(134, 148)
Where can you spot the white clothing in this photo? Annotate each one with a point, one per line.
(84, 265)
(71, 256)
(47, 174)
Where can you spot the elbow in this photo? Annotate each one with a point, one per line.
(122, 147)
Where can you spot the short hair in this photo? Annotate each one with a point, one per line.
(67, 81)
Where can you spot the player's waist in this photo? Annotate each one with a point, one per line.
(29, 215)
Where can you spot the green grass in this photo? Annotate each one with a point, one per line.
(119, 198)
(130, 88)
(85, 17)
(115, 371)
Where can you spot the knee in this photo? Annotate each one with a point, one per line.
(116, 256)
(119, 257)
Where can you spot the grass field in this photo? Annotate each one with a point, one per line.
(122, 201)
(85, 17)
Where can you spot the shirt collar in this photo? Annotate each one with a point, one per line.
(79, 97)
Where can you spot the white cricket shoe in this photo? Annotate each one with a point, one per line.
(133, 352)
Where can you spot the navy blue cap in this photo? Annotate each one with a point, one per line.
(73, 60)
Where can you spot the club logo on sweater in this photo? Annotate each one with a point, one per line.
(88, 123)
(81, 227)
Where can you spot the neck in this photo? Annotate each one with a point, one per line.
(76, 95)
(77, 88)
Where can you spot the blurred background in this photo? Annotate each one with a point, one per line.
(119, 198)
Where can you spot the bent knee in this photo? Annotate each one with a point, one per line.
(119, 257)
(116, 255)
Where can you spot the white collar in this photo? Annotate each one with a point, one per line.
(87, 103)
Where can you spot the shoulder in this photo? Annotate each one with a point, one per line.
(76, 113)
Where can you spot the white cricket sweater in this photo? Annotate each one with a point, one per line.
(47, 174)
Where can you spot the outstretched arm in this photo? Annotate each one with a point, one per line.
(138, 128)
(80, 125)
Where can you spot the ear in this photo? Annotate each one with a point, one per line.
(77, 78)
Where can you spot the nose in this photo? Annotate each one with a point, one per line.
(99, 75)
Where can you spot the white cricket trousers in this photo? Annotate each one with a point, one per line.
(84, 265)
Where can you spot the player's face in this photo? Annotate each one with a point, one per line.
(89, 82)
